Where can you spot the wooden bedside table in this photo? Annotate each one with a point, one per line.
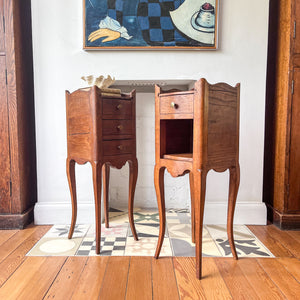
(101, 130)
(196, 131)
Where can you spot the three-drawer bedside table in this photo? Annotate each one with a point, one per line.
(101, 130)
(196, 131)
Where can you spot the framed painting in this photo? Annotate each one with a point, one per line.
(150, 24)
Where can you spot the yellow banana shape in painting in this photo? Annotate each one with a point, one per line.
(110, 35)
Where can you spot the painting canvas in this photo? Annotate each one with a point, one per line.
(150, 24)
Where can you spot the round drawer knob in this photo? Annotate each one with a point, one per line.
(119, 106)
(120, 147)
(174, 105)
(119, 127)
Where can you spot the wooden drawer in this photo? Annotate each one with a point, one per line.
(116, 127)
(177, 104)
(116, 109)
(118, 147)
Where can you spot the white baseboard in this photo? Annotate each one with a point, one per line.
(61, 213)
(245, 213)
(215, 213)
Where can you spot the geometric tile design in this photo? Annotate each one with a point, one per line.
(149, 230)
(118, 239)
(179, 230)
(63, 231)
(146, 217)
(146, 247)
(55, 246)
(114, 230)
(110, 246)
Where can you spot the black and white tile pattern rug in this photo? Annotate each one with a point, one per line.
(118, 240)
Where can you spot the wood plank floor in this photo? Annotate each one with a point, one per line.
(23, 277)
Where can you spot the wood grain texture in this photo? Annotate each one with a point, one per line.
(159, 173)
(5, 235)
(137, 277)
(292, 265)
(16, 240)
(91, 278)
(189, 286)
(222, 123)
(18, 46)
(2, 40)
(183, 104)
(270, 242)
(213, 284)
(105, 180)
(97, 169)
(17, 256)
(288, 285)
(259, 279)
(285, 221)
(234, 182)
(21, 125)
(200, 133)
(117, 147)
(117, 127)
(293, 201)
(235, 280)
(293, 245)
(42, 270)
(115, 279)
(133, 174)
(67, 279)
(139, 285)
(297, 19)
(163, 279)
(70, 166)
(16, 221)
(117, 109)
(282, 138)
(281, 98)
(199, 180)
(294, 233)
(5, 199)
(180, 156)
(192, 192)
(101, 131)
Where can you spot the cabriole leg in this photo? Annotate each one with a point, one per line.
(96, 167)
(70, 166)
(234, 183)
(160, 195)
(199, 198)
(105, 178)
(192, 206)
(133, 174)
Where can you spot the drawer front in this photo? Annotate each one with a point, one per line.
(178, 104)
(117, 147)
(116, 127)
(116, 109)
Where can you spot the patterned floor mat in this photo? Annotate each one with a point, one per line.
(118, 240)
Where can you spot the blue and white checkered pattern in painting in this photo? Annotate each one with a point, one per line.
(154, 20)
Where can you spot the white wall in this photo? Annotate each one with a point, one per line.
(59, 62)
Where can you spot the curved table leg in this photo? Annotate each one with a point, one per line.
(160, 194)
(234, 183)
(199, 198)
(96, 167)
(70, 166)
(133, 174)
(192, 206)
(105, 179)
